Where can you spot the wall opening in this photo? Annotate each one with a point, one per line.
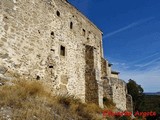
(83, 32)
(51, 66)
(52, 33)
(91, 86)
(38, 77)
(71, 25)
(58, 13)
(62, 50)
(52, 50)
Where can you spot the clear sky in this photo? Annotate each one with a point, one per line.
(131, 37)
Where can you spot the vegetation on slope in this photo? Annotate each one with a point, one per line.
(28, 100)
(136, 91)
(151, 103)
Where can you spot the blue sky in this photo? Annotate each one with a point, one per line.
(131, 37)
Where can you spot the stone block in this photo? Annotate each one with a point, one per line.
(64, 79)
(63, 89)
(3, 70)
(3, 56)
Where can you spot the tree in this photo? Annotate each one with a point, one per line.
(136, 91)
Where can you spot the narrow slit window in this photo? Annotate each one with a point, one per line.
(62, 51)
(58, 13)
(71, 25)
(83, 32)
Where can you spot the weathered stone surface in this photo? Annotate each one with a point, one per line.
(3, 56)
(119, 93)
(63, 89)
(3, 70)
(129, 103)
(64, 79)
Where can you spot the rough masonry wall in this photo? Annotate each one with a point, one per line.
(107, 89)
(114, 75)
(46, 39)
(90, 76)
(119, 93)
(103, 67)
(129, 103)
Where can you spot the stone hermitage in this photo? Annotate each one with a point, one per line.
(51, 41)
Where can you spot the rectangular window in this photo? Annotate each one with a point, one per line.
(62, 51)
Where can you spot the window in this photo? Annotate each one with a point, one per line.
(71, 25)
(50, 66)
(52, 50)
(38, 77)
(62, 51)
(83, 32)
(52, 35)
(58, 13)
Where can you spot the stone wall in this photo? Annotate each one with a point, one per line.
(129, 103)
(51, 41)
(103, 67)
(119, 93)
(91, 88)
(46, 39)
(108, 92)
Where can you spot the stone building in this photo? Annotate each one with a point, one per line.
(114, 88)
(51, 41)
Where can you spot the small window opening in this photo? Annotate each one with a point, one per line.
(83, 32)
(105, 99)
(52, 33)
(50, 66)
(58, 13)
(6, 17)
(116, 87)
(71, 25)
(62, 52)
(38, 77)
(52, 50)
(39, 32)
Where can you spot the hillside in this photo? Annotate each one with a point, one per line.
(28, 100)
(152, 103)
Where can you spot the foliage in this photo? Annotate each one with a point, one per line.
(151, 103)
(136, 91)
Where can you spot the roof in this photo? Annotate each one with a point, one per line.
(109, 64)
(115, 72)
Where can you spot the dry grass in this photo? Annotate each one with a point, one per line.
(28, 100)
